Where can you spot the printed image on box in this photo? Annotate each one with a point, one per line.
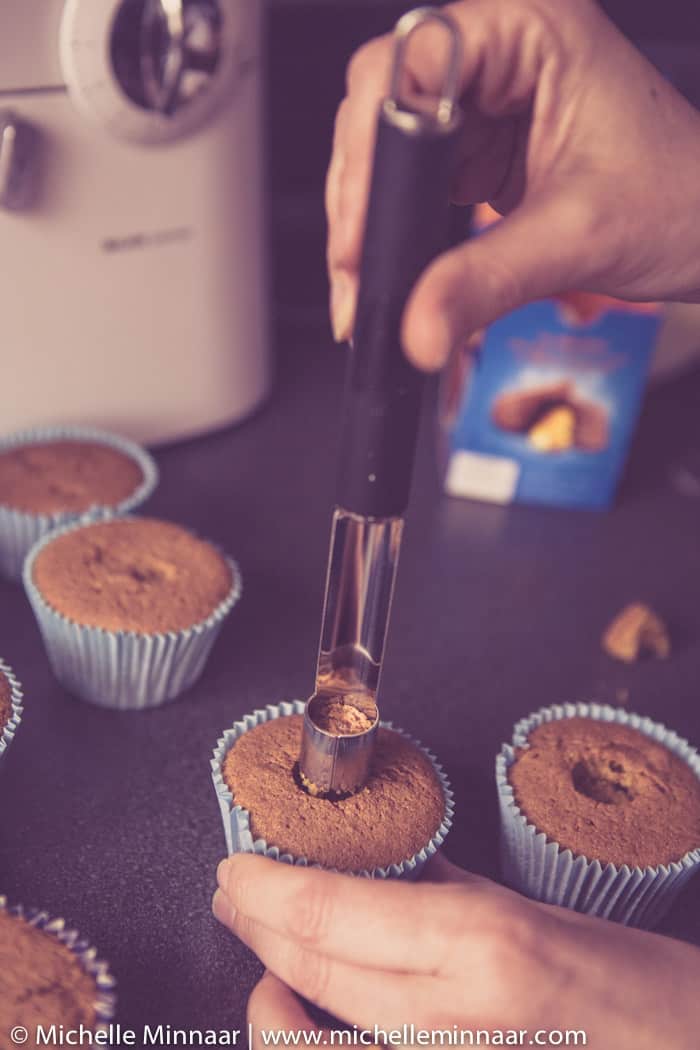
(542, 407)
(551, 402)
(554, 416)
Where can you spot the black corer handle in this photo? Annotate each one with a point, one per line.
(406, 227)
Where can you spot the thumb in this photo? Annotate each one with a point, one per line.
(539, 249)
(273, 1007)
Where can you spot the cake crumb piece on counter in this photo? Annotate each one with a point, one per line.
(636, 631)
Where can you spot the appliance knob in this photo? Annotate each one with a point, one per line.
(164, 52)
(18, 162)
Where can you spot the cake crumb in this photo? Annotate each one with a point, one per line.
(341, 718)
(636, 631)
(309, 786)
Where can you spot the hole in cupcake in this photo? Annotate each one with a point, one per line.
(143, 577)
(591, 781)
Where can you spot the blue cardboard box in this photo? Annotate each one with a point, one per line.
(545, 409)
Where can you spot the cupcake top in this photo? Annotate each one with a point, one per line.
(608, 792)
(395, 815)
(132, 574)
(66, 475)
(42, 981)
(5, 703)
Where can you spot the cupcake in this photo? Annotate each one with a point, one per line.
(389, 828)
(54, 476)
(10, 707)
(129, 608)
(600, 812)
(49, 977)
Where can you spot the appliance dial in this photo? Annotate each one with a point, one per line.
(19, 142)
(152, 70)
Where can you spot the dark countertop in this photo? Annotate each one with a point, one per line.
(110, 820)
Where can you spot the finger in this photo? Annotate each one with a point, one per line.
(355, 994)
(318, 910)
(349, 173)
(440, 869)
(533, 253)
(337, 162)
(355, 133)
(368, 77)
(347, 188)
(343, 282)
(273, 1007)
(499, 43)
(350, 169)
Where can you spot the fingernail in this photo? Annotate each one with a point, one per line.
(221, 872)
(446, 342)
(428, 346)
(341, 307)
(222, 909)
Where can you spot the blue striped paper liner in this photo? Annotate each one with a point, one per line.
(7, 732)
(236, 820)
(20, 530)
(539, 868)
(105, 984)
(124, 669)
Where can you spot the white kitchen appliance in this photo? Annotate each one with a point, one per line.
(132, 240)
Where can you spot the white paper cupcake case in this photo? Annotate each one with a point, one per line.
(7, 733)
(124, 669)
(19, 531)
(239, 838)
(105, 984)
(540, 869)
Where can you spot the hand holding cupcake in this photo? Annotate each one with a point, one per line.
(389, 828)
(455, 953)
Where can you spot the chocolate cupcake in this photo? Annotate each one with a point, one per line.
(54, 476)
(10, 707)
(600, 811)
(129, 608)
(554, 416)
(519, 410)
(389, 828)
(50, 976)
